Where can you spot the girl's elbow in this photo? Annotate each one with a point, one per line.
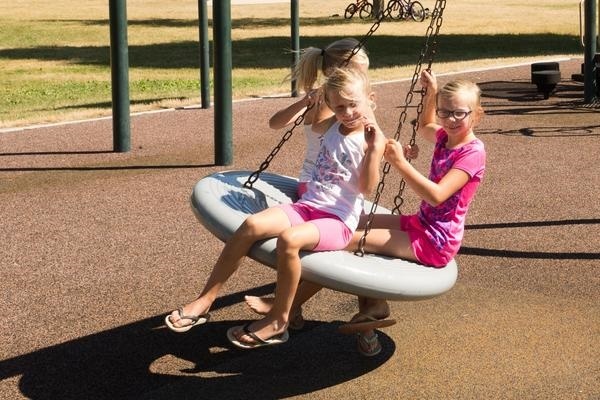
(431, 202)
(435, 200)
(434, 203)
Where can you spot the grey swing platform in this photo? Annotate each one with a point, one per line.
(221, 203)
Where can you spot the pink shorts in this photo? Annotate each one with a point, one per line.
(424, 250)
(333, 233)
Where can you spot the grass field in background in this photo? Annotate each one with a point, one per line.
(55, 57)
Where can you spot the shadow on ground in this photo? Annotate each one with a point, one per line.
(144, 359)
(549, 255)
(386, 51)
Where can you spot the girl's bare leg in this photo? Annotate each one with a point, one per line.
(267, 223)
(289, 244)
(376, 308)
(386, 238)
(306, 290)
(262, 305)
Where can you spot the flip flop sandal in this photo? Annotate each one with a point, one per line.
(296, 321)
(277, 339)
(369, 323)
(195, 320)
(368, 346)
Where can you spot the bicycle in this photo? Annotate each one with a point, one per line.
(363, 7)
(405, 9)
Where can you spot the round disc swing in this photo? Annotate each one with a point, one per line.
(223, 200)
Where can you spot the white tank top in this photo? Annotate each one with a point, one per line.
(334, 184)
(313, 144)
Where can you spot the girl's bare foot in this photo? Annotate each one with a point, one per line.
(376, 308)
(260, 305)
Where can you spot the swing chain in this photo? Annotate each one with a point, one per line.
(265, 164)
(430, 35)
(363, 40)
(288, 134)
(429, 49)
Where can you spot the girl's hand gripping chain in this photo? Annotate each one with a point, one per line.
(395, 154)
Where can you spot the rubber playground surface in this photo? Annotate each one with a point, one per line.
(98, 246)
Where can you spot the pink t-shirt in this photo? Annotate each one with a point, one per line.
(444, 225)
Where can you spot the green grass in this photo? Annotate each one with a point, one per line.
(55, 58)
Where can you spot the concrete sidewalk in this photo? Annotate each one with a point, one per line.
(99, 246)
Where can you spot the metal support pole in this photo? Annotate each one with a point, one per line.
(222, 81)
(204, 53)
(590, 88)
(119, 67)
(295, 45)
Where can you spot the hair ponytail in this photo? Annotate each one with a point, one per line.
(315, 62)
(307, 70)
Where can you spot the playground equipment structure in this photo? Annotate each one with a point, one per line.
(545, 75)
(589, 32)
(222, 76)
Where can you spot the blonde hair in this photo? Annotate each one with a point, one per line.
(342, 80)
(315, 61)
(462, 87)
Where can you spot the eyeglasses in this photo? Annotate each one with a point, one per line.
(458, 115)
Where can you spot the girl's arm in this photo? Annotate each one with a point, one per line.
(286, 116)
(322, 117)
(431, 192)
(369, 173)
(320, 111)
(428, 125)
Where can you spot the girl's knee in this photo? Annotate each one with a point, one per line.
(288, 241)
(252, 227)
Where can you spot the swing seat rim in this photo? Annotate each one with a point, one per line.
(221, 203)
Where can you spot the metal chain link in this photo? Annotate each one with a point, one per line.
(362, 41)
(265, 164)
(428, 49)
(288, 134)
